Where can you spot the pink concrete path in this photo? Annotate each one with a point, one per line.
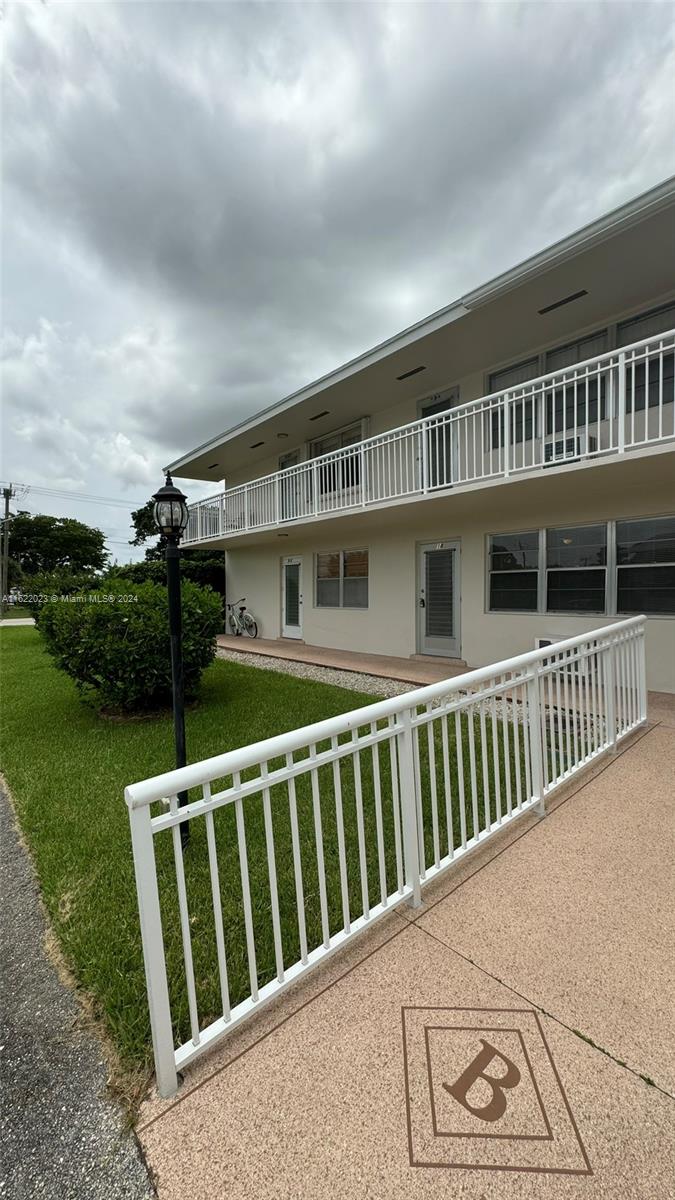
(416, 670)
(513, 1037)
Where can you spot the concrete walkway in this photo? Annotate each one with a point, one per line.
(16, 621)
(415, 670)
(62, 1137)
(513, 1037)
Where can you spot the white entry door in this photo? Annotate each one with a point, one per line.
(291, 598)
(438, 599)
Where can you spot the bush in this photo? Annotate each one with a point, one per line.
(37, 590)
(203, 567)
(114, 641)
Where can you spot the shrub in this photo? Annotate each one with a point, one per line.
(114, 641)
(36, 590)
(203, 567)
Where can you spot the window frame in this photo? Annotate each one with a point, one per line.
(341, 578)
(611, 569)
(605, 567)
(526, 570)
(657, 616)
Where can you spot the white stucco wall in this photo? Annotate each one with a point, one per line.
(389, 624)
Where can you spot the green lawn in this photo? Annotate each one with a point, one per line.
(67, 769)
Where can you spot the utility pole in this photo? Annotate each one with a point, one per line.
(7, 492)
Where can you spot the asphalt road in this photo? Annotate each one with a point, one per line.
(61, 1137)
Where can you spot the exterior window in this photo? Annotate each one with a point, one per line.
(522, 412)
(341, 472)
(576, 569)
(648, 384)
(576, 403)
(512, 376)
(590, 346)
(342, 579)
(650, 381)
(514, 572)
(657, 320)
(645, 558)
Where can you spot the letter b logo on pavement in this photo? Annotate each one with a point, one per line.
(498, 1084)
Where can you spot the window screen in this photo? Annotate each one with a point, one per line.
(576, 569)
(355, 579)
(645, 557)
(511, 376)
(656, 320)
(328, 580)
(344, 471)
(342, 579)
(514, 571)
(578, 351)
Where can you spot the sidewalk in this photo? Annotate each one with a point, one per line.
(63, 1137)
(417, 670)
(549, 954)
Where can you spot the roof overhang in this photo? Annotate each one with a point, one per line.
(617, 263)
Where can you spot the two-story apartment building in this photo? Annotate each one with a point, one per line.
(500, 472)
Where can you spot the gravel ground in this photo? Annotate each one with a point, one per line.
(61, 1137)
(373, 685)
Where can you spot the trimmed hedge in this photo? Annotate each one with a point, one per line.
(114, 641)
(38, 590)
(199, 566)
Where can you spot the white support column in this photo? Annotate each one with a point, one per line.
(142, 844)
(409, 809)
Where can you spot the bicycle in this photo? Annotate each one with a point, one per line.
(242, 621)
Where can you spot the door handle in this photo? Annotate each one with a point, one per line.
(423, 602)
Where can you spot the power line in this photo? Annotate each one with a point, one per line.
(63, 494)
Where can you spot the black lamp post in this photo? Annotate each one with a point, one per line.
(171, 517)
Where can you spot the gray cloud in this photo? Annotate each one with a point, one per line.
(208, 205)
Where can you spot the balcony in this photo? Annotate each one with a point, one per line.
(605, 407)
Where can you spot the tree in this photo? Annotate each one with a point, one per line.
(206, 567)
(41, 543)
(144, 524)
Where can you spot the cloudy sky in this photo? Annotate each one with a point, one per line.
(209, 205)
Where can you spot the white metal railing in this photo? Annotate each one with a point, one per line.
(612, 404)
(300, 842)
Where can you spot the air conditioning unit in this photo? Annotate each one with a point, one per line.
(568, 449)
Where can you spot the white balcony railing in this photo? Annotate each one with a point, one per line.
(613, 404)
(357, 813)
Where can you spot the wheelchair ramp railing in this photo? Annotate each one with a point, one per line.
(300, 842)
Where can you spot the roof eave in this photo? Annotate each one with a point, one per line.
(597, 231)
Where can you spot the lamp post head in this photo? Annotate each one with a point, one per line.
(170, 511)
